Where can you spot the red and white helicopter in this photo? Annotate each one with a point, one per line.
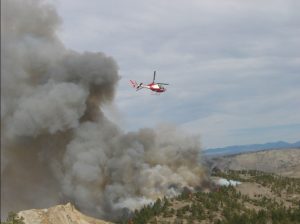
(157, 87)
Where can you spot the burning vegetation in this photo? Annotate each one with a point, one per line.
(229, 204)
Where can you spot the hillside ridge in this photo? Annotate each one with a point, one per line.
(59, 214)
(236, 149)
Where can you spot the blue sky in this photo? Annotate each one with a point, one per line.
(233, 66)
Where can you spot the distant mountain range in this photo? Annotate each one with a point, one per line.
(236, 149)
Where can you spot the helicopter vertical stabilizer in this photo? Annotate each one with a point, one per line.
(133, 84)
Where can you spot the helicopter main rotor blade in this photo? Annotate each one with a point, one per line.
(154, 76)
(161, 83)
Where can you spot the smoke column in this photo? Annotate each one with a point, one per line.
(56, 143)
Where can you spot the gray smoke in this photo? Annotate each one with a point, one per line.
(57, 145)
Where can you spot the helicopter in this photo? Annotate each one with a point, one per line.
(157, 87)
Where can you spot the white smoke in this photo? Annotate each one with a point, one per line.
(225, 182)
(57, 145)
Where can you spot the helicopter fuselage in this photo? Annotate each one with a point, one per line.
(156, 87)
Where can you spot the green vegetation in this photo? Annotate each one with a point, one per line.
(13, 219)
(226, 205)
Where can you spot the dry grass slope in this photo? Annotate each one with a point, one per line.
(285, 162)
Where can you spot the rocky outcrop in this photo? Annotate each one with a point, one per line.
(60, 214)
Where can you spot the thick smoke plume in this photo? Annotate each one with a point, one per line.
(56, 143)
